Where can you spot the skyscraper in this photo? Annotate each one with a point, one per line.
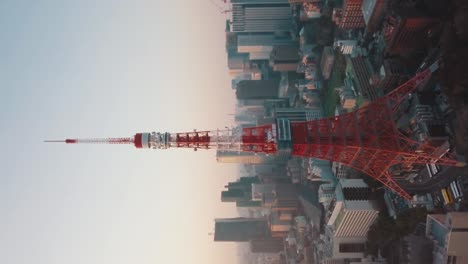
(405, 34)
(372, 11)
(257, 89)
(261, 16)
(268, 245)
(352, 215)
(241, 229)
(240, 190)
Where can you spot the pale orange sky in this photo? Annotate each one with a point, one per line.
(111, 68)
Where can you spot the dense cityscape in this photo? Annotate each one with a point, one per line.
(303, 60)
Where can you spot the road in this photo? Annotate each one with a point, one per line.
(439, 181)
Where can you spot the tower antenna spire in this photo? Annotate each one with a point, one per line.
(367, 139)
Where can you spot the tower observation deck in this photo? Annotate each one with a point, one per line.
(366, 139)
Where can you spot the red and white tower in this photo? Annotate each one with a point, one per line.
(366, 139)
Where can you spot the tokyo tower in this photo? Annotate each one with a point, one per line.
(366, 139)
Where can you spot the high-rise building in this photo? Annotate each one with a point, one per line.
(326, 63)
(353, 213)
(230, 156)
(372, 11)
(241, 229)
(257, 89)
(449, 233)
(261, 16)
(249, 204)
(392, 74)
(267, 245)
(351, 216)
(260, 45)
(351, 17)
(360, 71)
(231, 38)
(238, 61)
(240, 192)
(295, 114)
(405, 34)
(262, 191)
(284, 58)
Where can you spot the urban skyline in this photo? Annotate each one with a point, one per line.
(346, 135)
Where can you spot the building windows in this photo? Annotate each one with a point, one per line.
(352, 247)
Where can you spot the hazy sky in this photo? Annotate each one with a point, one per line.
(110, 68)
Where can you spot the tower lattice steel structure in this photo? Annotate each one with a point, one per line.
(366, 139)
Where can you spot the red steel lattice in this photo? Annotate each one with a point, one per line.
(367, 139)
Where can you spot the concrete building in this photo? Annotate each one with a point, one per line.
(360, 71)
(449, 233)
(372, 11)
(351, 216)
(237, 61)
(261, 16)
(297, 114)
(405, 34)
(257, 89)
(240, 190)
(392, 74)
(327, 61)
(260, 45)
(323, 171)
(230, 156)
(346, 47)
(268, 245)
(348, 95)
(284, 58)
(351, 17)
(280, 224)
(262, 191)
(241, 229)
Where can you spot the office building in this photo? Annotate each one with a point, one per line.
(257, 89)
(267, 245)
(360, 71)
(372, 11)
(260, 45)
(284, 58)
(351, 216)
(404, 34)
(261, 16)
(239, 190)
(250, 203)
(296, 114)
(327, 61)
(348, 95)
(238, 62)
(231, 38)
(262, 191)
(353, 213)
(449, 233)
(351, 16)
(392, 74)
(231, 156)
(241, 229)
